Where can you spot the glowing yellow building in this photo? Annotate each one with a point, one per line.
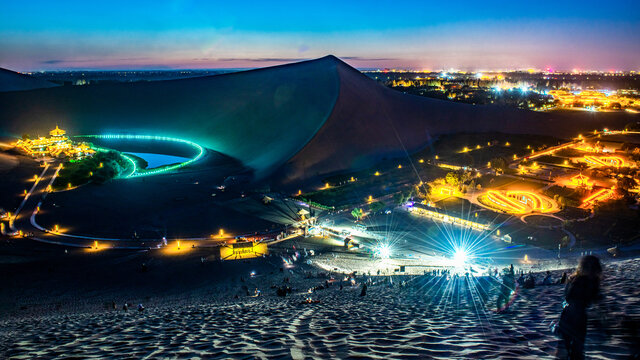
(437, 214)
(581, 180)
(56, 145)
(593, 98)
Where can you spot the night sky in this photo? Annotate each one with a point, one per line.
(466, 34)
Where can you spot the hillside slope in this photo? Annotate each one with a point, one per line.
(296, 121)
(260, 117)
(370, 122)
(13, 81)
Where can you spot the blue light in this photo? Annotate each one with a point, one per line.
(141, 172)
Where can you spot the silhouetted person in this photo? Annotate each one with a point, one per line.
(583, 288)
(364, 290)
(529, 282)
(507, 286)
(563, 280)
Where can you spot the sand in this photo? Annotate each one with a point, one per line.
(430, 317)
(8, 162)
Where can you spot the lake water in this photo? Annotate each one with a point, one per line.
(156, 160)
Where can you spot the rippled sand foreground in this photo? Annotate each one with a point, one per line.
(430, 317)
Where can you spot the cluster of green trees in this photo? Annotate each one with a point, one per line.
(461, 180)
(499, 163)
(100, 168)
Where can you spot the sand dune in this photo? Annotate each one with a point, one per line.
(430, 317)
(288, 123)
(13, 81)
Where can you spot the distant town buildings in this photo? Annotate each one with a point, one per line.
(530, 89)
(57, 144)
(594, 99)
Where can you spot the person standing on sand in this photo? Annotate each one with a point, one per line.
(563, 280)
(582, 289)
(364, 290)
(507, 286)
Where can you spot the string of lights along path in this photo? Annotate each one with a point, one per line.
(141, 172)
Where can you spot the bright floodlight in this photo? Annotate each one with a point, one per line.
(383, 251)
(459, 257)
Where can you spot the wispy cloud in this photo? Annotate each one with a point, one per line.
(52, 61)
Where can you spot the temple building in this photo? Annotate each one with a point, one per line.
(57, 144)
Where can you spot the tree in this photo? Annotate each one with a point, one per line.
(405, 196)
(357, 213)
(499, 163)
(624, 184)
(466, 177)
(452, 178)
(423, 191)
(376, 206)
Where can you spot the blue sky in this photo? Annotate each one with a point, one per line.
(470, 35)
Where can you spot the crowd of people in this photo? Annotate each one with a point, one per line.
(581, 289)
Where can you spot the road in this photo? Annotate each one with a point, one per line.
(25, 220)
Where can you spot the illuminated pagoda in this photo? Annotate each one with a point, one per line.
(57, 144)
(581, 180)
